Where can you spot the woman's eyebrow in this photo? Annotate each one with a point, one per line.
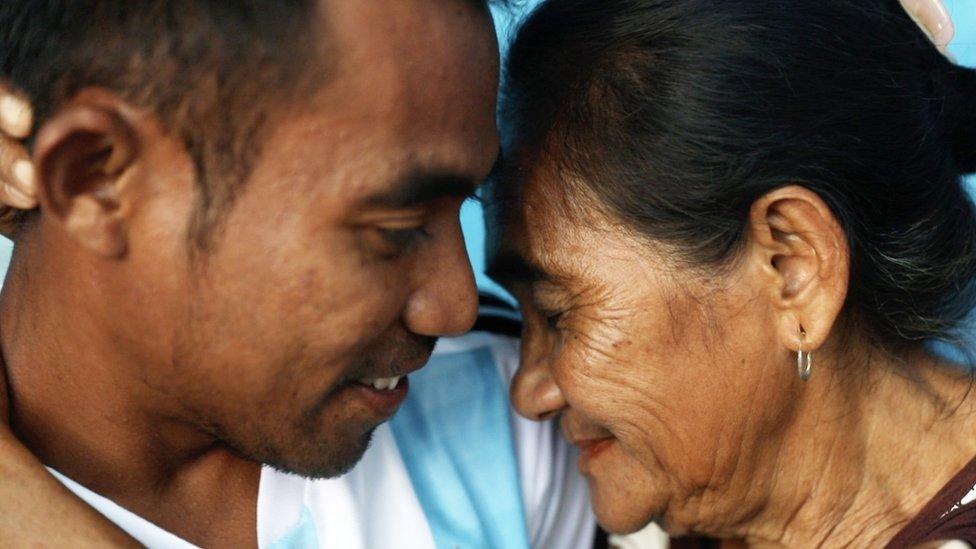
(509, 266)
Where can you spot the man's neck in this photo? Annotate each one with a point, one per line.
(79, 403)
(868, 455)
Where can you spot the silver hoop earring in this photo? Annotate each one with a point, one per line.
(804, 361)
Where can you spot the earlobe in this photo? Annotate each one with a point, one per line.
(82, 155)
(806, 263)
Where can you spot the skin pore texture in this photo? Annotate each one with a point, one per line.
(161, 376)
(680, 385)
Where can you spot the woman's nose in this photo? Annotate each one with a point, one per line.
(535, 394)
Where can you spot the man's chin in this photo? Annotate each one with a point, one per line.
(320, 461)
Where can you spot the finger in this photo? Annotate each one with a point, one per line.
(4, 402)
(10, 219)
(17, 176)
(934, 19)
(16, 113)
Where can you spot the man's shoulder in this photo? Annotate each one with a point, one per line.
(555, 506)
(497, 316)
(498, 321)
(494, 338)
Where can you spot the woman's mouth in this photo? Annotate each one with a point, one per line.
(590, 450)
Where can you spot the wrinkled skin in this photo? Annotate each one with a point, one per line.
(614, 343)
(680, 384)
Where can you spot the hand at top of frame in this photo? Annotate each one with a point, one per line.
(17, 184)
(934, 19)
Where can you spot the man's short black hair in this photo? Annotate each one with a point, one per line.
(211, 70)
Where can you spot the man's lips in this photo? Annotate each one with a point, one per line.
(382, 402)
(381, 383)
(388, 378)
(383, 395)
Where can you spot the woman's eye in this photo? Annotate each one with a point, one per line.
(552, 320)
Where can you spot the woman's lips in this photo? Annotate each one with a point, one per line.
(590, 450)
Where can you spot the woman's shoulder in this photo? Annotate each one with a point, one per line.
(949, 517)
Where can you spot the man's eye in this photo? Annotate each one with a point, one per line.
(404, 238)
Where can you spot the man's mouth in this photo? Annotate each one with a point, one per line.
(381, 383)
(382, 395)
(391, 383)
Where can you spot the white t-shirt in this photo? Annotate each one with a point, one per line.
(455, 468)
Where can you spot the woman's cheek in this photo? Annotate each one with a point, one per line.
(597, 381)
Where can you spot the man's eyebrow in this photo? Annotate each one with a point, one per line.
(509, 267)
(418, 188)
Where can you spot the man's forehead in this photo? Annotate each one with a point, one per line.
(429, 41)
(416, 79)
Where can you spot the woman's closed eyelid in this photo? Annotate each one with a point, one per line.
(552, 315)
(553, 319)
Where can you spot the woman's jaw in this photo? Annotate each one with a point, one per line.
(850, 447)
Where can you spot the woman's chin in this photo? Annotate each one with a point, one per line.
(626, 496)
(623, 513)
(622, 524)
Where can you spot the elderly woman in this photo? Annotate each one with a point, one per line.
(733, 226)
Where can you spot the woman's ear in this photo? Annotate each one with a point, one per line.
(82, 155)
(804, 258)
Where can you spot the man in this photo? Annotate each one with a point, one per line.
(247, 238)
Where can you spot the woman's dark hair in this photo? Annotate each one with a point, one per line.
(677, 116)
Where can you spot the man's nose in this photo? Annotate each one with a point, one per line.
(445, 299)
(534, 391)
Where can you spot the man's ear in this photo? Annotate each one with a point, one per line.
(805, 263)
(82, 155)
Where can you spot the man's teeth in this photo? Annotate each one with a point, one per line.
(383, 383)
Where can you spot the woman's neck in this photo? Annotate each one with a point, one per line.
(867, 454)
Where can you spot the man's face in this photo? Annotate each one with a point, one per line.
(342, 260)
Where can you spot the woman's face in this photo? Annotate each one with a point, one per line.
(668, 381)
